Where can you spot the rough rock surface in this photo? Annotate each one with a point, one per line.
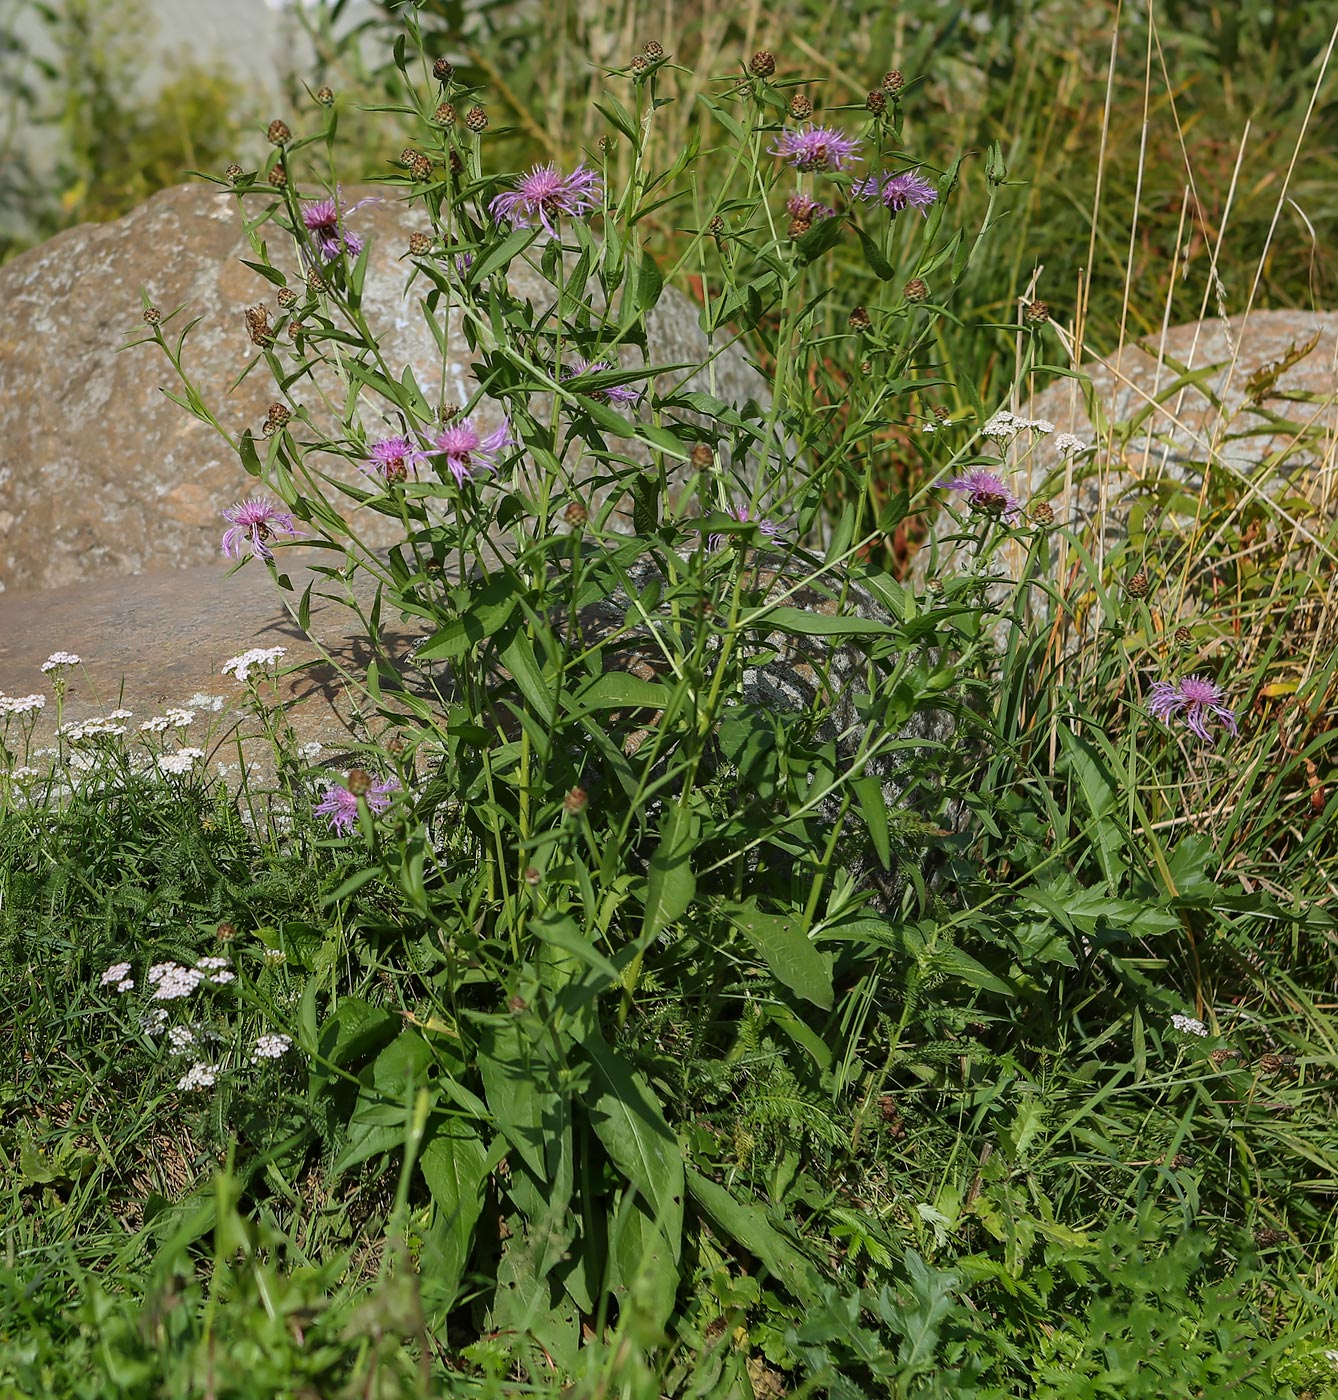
(1265, 385)
(100, 474)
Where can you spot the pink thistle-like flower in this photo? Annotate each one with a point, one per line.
(392, 458)
(254, 522)
(904, 190)
(800, 206)
(813, 147)
(986, 492)
(465, 451)
(341, 806)
(613, 393)
(1195, 699)
(324, 221)
(743, 515)
(545, 195)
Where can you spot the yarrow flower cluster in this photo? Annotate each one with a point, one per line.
(169, 719)
(324, 222)
(173, 982)
(271, 1047)
(180, 762)
(1189, 1025)
(199, 1076)
(392, 458)
(21, 704)
(118, 975)
(544, 195)
(1005, 426)
(1195, 699)
(1069, 444)
(201, 701)
(904, 190)
(98, 727)
(614, 393)
(987, 493)
(241, 666)
(467, 451)
(742, 514)
(254, 522)
(341, 805)
(813, 147)
(59, 659)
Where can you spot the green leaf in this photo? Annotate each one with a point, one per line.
(748, 1225)
(671, 886)
(813, 624)
(788, 951)
(455, 1166)
(868, 792)
(616, 690)
(873, 255)
(630, 1123)
(1101, 794)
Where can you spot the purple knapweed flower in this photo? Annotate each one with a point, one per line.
(341, 806)
(613, 393)
(813, 147)
(544, 194)
(1195, 699)
(466, 451)
(254, 522)
(986, 492)
(391, 459)
(743, 515)
(905, 190)
(324, 222)
(800, 206)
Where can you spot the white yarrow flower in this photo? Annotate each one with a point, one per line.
(21, 704)
(271, 1047)
(240, 666)
(57, 659)
(1189, 1025)
(199, 1076)
(117, 972)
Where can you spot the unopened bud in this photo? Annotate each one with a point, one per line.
(996, 172)
(1183, 636)
(916, 290)
(701, 456)
(762, 64)
(278, 133)
(858, 319)
(575, 801)
(876, 102)
(358, 782)
(716, 228)
(653, 50)
(226, 932)
(287, 297)
(1037, 313)
(476, 119)
(234, 172)
(278, 177)
(325, 96)
(893, 83)
(420, 243)
(801, 107)
(443, 70)
(532, 876)
(1043, 514)
(152, 316)
(576, 515)
(445, 114)
(418, 165)
(639, 64)
(1139, 586)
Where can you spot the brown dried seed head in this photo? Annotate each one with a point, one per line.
(1183, 636)
(1222, 1055)
(278, 177)
(358, 782)
(314, 280)
(295, 329)
(916, 290)
(801, 107)
(1270, 1063)
(419, 166)
(152, 315)
(226, 932)
(935, 585)
(476, 119)
(448, 411)
(1043, 514)
(701, 456)
(257, 325)
(653, 50)
(233, 172)
(639, 63)
(443, 70)
(876, 102)
(762, 64)
(287, 297)
(445, 114)
(1266, 1237)
(716, 228)
(279, 413)
(1181, 1160)
(858, 320)
(325, 95)
(278, 133)
(1037, 313)
(532, 876)
(576, 515)
(893, 82)
(420, 243)
(800, 225)
(1139, 586)
(575, 801)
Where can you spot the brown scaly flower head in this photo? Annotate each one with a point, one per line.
(916, 290)
(420, 244)
(443, 70)
(257, 325)
(762, 64)
(325, 95)
(894, 83)
(576, 515)
(701, 456)
(276, 419)
(575, 801)
(234, 172)
(800, 225)
(1043, 514)
(801, 107)
(876, 102)
(639, 64)
(1037, 313)
(358, 782)
(476, 120)
(287, 298)
(445, 114)
(314, 279)
(152, 316)
(279, 133)
(1183, 636)
(418, 165)
(226, 932)
(858, 320)
(456, 164)
(716, 228)
(653, 50)
(278, 177)
(1139, 586)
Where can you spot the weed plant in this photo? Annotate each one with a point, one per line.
(732, 969)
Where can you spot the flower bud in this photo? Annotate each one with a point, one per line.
(1037, 313)
(278, 177)
(1043, 514)
(639, 64)
(716, 228)
(152, 316)
(762, 64)
(287, 297)
(858, 319)
(576, 515)
(1183, 636)
(445, 114)
(916, 290)
(653, 51)
(226, 932)
(420, 243)
(801, 107)
(325, 96)
(893, 83)
(443, 70)
(1139, 586)
(876, 102)
(575, 801)
(358, 782)
(476, 119)
(278, 133)
(419, 166)
(701, 456)
(234, 172)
